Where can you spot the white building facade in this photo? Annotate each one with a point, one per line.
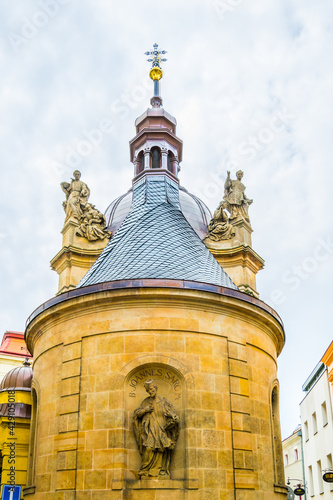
(292, 459)
(317, 430)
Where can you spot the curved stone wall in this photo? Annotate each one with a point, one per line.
(212, 355)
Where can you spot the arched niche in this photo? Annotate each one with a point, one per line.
(171, 161)
(171, 385)
(276, 435)
(174, 381)
(155, 157)
(141, 162)
(35, 391)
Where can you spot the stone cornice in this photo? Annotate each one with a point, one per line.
(131, 293)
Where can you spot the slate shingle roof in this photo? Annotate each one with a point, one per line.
(156, 241)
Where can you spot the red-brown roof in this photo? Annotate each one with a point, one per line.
(13, 344)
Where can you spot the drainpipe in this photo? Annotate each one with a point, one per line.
(299, 433)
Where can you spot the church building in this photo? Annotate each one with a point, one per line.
(155, 364)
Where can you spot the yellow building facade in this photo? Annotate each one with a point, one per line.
(155, 310)
(15, 415)
(327, 359)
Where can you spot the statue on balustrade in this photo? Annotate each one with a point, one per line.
(92, 223)
(235, 199)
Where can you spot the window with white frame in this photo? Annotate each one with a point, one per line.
(311, 481)
(320, 477)
(330, 467)
(324, 413)
(314, 423)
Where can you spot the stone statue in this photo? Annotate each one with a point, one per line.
(93, 225)
(156, 429)
(219, 227)
(236, 202)
(77, 194)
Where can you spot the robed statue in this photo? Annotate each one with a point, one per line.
(219, 227)
(156, 429)
(91, 222)
(235, 199)
(77, 194)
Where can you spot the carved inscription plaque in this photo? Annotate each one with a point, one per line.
(168, 381)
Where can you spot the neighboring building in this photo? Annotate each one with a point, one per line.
(292, 458)
(13, 350)
(327, 359)
(317, 429)
(15, 415)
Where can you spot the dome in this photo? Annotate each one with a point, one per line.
(18, 378)
(195, 211)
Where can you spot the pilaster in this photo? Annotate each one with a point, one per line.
(76, 256)
(67, 442)
(238, 258)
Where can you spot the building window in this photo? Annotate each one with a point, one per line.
(330, 466)
(276, 438)
(306, 431)
(324, 413)
(314, 423)
(311, 481)
(142, 162)
(296, 454)
(320, 477)
(286, 460)
(32, 443)
(171, 160)
(155, 158)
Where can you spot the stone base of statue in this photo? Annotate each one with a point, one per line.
(238, 258)
(76, 256)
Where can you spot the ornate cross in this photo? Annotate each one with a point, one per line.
(156, 60)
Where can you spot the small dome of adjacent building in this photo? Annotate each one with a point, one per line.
(17, 379)
(195, 211)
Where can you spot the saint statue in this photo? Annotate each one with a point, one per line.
(219, 228)
(77, 194)
(93, 225)
(236, 202)
(156, 429)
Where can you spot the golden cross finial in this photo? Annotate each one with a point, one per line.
(156, 72)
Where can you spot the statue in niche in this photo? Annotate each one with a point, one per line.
(93, 225)
(77, 194)
(219, 227)
(236, 202)
(156, 429)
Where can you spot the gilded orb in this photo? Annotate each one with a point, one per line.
(155, 73)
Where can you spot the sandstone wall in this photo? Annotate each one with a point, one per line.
(213, 356)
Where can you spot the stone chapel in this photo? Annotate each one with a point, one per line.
(155, 364)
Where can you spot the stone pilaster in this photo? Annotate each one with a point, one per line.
(238, 258)
(67, 441)
(76, 256)
(245, 477)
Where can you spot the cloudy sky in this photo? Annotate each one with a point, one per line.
(250, 84)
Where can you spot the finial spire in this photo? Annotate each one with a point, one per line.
(156, 73)
(26, 362)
